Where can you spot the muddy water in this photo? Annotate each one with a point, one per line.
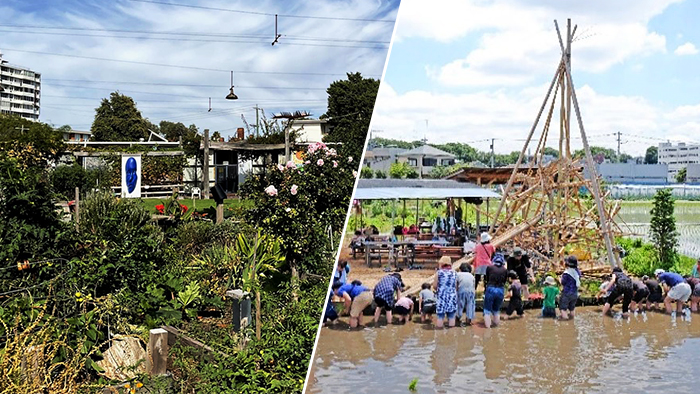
(592, 354)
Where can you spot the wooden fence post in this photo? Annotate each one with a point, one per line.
(77, 208)
(157, 360)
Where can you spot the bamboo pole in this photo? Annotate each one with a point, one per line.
(595, 189)
(527, 142)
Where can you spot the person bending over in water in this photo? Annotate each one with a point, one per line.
(623, 287)
(515, 303)
(446, 286)
(677, 289)
(427, 303)
(356, 298)
(495, 278)
(570, 282)
(404, 309)
(695, 295)
(641, 294)
(384, 295)
(551, 291)
(465, 294)
(656, 293)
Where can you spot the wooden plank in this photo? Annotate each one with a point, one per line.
(174, 335)
(158, 348)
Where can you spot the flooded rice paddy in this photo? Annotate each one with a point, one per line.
(592, 354)
(635, 217)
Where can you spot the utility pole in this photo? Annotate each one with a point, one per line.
(205, 166)
(618, 146)
(257, 121)
(492, 153)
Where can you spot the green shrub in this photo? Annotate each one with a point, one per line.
(366, 173)
(641, 261)
(412, 174)
(379, 174)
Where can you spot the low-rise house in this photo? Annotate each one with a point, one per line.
(424, 158)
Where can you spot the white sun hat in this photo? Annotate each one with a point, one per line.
(485, 237)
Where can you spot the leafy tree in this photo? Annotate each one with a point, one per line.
(609, 154)
(399, 170)
(174, 131)
(216, 136)
(439, 172)
(350, 106)
(652, 155)
(33, 144)
(118, 119)
(682, 174)
(551, 151)
(663, 227)
(366, 173)
(384, 142)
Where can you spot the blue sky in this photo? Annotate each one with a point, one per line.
(311, 54)
(480, 69)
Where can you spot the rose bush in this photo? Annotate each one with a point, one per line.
(304, 205)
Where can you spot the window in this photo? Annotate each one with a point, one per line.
(413, 162)
(447, 162)
(429, 162)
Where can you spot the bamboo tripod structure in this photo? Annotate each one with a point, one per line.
(551, 192)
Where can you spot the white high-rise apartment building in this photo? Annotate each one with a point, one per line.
(678, 157)
(20, 90)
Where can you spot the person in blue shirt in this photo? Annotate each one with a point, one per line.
(341, 272)
(356, 298)
(330, 315)
(677, 290)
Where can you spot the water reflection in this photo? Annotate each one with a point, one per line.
(593, 354)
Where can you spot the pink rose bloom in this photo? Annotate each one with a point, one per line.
(307, 162)
(335, 164)
(354, 173)
(280, 167)
(290, 164)
(319, 162)
(293, 190)
(271, 190)
(350, 159)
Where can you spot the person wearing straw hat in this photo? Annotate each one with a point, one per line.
(570, 282)
(495, 280)
(446, 286)
(483, 253)
(551, 291)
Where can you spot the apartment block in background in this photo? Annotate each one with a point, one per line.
(20, 90)
(678, 156)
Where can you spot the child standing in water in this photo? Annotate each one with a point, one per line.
(570, 281)
(427, 303)
(404, 309)
(465, 293)
(551, 291)
(515, 304)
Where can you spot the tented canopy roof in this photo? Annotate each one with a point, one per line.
(434, 189)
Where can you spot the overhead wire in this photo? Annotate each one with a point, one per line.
(170, 65)
(266, 13)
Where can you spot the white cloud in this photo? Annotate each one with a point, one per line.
(686, 49)
(190, 104)
(486, 114)
(517, 39)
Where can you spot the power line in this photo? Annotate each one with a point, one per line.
(170, 65)
(180, 39)
(266, 13)
(191, 34)
(167, 84)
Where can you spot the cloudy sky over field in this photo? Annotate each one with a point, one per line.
(480, 69)
(172, 58)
